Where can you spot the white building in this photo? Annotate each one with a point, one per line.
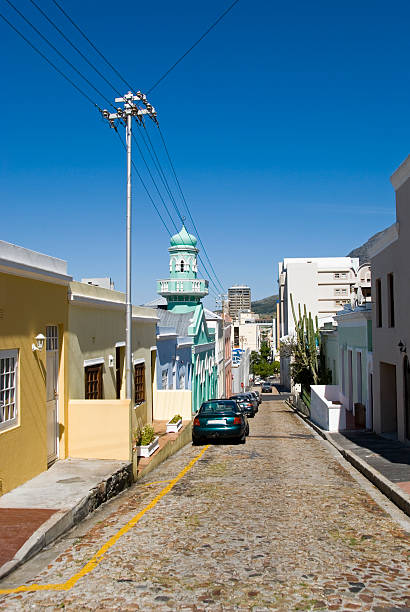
(324, 285)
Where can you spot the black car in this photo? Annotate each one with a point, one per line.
(245, 403)
(266, 387)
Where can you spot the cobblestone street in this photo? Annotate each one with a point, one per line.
(277, 523)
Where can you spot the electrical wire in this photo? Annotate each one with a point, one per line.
(74, 47)
(60, 72)
(158, 165)
(93, 46)
(193, 46)
(187, 208)
(58, 52)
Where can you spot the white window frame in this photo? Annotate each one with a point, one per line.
(10, 354)
(164, 374)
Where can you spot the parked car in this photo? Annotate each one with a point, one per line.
(253, 399)
(222, 419)
(266, 387)
(257, 396)
(245, 403)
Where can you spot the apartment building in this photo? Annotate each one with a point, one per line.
(239, 300)
(324, 285)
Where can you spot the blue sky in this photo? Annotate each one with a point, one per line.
(284, 126)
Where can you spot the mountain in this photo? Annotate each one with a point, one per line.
(266, 306)
(362, 252)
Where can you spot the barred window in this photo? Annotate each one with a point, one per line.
(8, 389)
(139, 382)
(93, 382)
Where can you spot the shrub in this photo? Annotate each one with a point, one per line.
(176, 418)
(144, 436)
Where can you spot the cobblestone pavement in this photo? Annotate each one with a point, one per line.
(277, 523)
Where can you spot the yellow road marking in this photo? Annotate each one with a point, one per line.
(97, 558)
(148, 484)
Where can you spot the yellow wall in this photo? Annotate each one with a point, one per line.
(99, 429)
(93, 332)
(28, 307)
(169, 403)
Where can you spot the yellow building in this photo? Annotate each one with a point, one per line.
(33, 377)
(100, 419)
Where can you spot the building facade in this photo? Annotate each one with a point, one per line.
(391, 317)
(239, 300)
(183, 291)
(33, 358)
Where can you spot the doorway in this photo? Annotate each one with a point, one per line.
(52, 368)
(388, 398)
(406, 373)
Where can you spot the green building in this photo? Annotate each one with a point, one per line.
(183, 291)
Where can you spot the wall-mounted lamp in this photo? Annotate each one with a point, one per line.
(402, 347)
(39, 342)
(110, 361)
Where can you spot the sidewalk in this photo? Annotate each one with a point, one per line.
(386, 463)
(42, 509)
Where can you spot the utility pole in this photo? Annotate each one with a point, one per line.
(124, 117)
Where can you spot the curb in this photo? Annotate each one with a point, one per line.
(388, 488)
(63, 520)
(169, 449)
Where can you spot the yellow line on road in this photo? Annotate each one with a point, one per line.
(97, 558)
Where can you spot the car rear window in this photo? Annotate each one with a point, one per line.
(218, 406)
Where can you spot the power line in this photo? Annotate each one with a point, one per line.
(187, 208)
(60, 72)
(194, 45)
(58, 52)
(93, 46)
(74, 46)
(158, 164)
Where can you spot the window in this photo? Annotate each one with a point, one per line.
(164, 379)
(390, 291)
(379, 321)
(336, 275)
(93, 382)
(337, 291)
(139, 382)
(8, 389)
(182, 267)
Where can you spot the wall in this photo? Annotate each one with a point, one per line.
(95, 328)
(99, 429)
(169, 403)
(393, 260)
(28, 306)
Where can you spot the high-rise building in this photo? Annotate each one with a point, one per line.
(239, 300)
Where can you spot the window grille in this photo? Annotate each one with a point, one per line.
(52, 338)
(8, 388)
(139, 382)
(164, 379)
(93, 382)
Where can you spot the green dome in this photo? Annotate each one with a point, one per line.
(183, 239)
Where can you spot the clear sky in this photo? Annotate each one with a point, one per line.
(284, 125)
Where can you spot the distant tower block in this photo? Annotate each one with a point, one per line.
(239, 299)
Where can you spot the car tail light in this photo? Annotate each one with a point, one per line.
(196, 422)
(237, 421)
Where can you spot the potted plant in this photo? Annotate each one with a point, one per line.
(146, 442)
(175, 424)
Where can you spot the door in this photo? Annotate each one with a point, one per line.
(52, 367)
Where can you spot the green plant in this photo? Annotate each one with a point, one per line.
(144, 436)
(175, 419)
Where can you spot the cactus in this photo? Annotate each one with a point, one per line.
(306, 364)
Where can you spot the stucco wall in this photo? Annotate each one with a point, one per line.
(28, 307)
(169, 403)
(93, 332)
(99, 429)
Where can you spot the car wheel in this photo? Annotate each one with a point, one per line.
(196, 441)
(242, 439)
(247, 430)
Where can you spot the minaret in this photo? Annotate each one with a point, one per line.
(183, 290)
